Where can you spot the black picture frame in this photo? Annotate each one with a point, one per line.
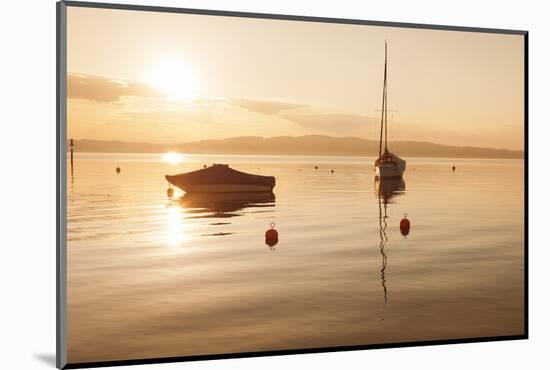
(61, 172)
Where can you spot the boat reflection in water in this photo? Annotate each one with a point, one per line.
(224, 205)
(386, 190)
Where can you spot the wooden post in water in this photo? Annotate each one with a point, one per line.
(72, 145)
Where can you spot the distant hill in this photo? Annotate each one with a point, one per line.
(302, 145)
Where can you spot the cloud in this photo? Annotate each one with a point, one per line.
(305, 115)
(264, 106)
(170, 115)
(210, 100)
(105, 90)
(330, 121)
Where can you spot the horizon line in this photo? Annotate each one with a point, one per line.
(294, 137)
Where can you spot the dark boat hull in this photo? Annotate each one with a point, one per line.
(221, 179)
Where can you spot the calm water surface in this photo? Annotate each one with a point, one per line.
(150, 276)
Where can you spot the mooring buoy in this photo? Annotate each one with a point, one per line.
(271, 236)
(405, 225)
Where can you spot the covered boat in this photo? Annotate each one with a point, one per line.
(388, 165)
(219, 178)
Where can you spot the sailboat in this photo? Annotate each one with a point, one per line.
(388, 165)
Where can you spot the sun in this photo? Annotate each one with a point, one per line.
(174, 79)
(172, 157)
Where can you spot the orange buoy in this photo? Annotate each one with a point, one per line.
(271, 236)
(454, 168)
(170, 192)
(316, 167)
(405, 225)
(118, 170)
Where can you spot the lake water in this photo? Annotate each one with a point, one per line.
(155, 277)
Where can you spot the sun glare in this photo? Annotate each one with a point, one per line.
(174, 79)
(177, 230)
(172, 158)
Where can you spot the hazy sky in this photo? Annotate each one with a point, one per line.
(160, 77)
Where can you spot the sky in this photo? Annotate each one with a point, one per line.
(167, 78)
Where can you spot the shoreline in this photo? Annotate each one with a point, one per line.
(288, 155)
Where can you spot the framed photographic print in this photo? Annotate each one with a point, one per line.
(238, 184)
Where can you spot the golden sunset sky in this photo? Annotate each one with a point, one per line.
(169, 78)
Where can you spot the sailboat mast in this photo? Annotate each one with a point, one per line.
(384, 108)
(386, 97)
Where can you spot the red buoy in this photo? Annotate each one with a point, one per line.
(405, 225)
(271, 236)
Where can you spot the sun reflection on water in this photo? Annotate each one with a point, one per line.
(177, 229)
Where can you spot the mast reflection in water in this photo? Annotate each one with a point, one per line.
(385, 190)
